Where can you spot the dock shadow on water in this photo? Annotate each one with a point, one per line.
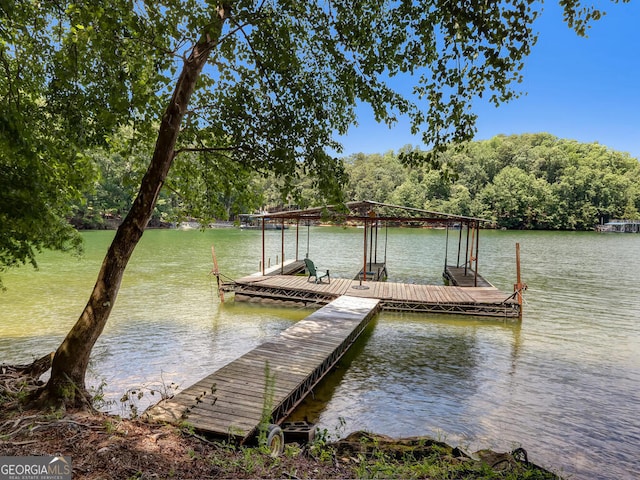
(313, 405)
(415, 375)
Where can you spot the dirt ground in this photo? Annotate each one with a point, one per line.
(106, 447)
(102, 446)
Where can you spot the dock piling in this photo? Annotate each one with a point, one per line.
(519, 287)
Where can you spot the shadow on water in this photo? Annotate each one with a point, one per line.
(414, 365)
(314, 404)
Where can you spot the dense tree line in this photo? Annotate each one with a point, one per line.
(194, 189)
(531, 181)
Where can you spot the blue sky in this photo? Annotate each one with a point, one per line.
(586, 89)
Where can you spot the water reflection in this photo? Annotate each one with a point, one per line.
(166, 350)
(423, 369)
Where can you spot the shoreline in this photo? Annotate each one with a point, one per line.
(103, 446)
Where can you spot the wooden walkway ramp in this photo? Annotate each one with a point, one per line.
(479, 301)
(231, 401)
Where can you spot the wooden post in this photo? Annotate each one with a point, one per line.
(297, 236)
(263, 253)
(470, 258)
(519, 287)
(364, 267)
(459, 245)
(466, 251)
(370, 244)
(282, 247)
(386, 237)
(475, 279)
(518, 263)
(446, 248)
(375, 260)
(216, 272)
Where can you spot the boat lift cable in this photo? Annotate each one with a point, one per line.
(225, 277)
(521, 290)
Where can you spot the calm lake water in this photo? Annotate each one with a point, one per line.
(563, 384)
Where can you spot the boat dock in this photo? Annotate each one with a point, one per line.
(465, 291)
(621, 226)
(483, 300)
(266, 384)
(272, 379)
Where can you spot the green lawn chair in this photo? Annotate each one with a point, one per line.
(311, 268)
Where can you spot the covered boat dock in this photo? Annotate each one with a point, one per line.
(279, 283)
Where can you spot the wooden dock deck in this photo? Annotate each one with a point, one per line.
(376, 272)
(480, 301)
(459, 277)
(288, 267)
(231, 401)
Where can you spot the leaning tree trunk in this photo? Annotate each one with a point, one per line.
(67, 382)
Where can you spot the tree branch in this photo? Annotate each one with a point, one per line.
(205, 150)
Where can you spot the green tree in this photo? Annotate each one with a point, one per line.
(630, 211)
(373, 177)
(459, 202)
(410, 193)
(41, 176)
(119, 175)
(266, 85)
(517, 199)
(571, 185)
(39, 183)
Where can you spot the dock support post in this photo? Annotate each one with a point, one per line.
(459, 246)
(519, 287)
(364, 267)
(446, 248)
(216, 272)
(282, 246)
(375, 260)
(297, 237)
(475, 279)
(263, 253)
(386, 237)
(371, 244)
(466, 251)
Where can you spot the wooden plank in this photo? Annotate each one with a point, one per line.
(253, 372)
(416, 293)
(233, 381)
(310, 356)
(408, 291)
(392, 291)
(444, 295)
(422, 293)
(415, 296)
